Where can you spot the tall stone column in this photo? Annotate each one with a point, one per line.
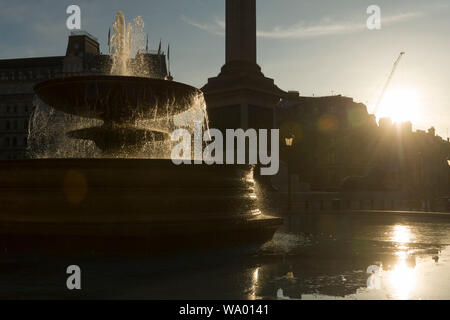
(241, 96)
(241, 30)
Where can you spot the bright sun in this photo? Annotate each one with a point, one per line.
(400, 105)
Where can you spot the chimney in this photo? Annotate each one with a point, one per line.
(432, 131)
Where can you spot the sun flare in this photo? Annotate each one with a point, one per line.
(403, 280)
(401, 105)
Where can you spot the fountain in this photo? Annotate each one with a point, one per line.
(125, 200)
(119, 101)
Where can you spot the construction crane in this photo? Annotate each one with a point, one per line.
(386, 86)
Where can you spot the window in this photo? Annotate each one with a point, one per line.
(333, 141)
(25, 141)
(332, 158)
(14, 142)
(15, 125)
(15, 109)
(7, 125)
(7, 142)
(25, 124)
(8, 109)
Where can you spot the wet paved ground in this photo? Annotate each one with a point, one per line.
(312, 257)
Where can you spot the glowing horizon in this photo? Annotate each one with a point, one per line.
(401, 105)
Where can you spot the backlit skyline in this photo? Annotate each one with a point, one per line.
(317, 48)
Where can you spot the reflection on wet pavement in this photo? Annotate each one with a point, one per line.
(312, 257)
(412, 257)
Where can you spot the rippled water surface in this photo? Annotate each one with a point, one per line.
(311, 257)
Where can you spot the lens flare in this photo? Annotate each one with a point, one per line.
(401, 105)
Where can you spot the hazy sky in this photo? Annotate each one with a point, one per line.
(316, 47)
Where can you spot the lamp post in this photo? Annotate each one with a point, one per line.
(448, 175)
(422, 189)
(289, 144)
(448, 183)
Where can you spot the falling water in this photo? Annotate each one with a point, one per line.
(48, 127)
(47, 134)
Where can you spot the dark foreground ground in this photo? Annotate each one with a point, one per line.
(312, 257)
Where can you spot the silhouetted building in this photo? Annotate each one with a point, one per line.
(340, 148)
(331, 134)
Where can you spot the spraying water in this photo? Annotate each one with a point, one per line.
(126, 41)
(48, 127)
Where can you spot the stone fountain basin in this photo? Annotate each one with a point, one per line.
(116, 98)
(119, 139)
(127, 205)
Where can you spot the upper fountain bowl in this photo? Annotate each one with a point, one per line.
(117, 98)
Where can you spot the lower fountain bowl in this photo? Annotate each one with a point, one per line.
(127, 206)
(117, 140)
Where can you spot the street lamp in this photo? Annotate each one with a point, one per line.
(448, 182)
(289, 144)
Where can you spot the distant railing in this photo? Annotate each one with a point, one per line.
(153, 52)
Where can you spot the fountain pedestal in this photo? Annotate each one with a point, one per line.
(125, 206)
